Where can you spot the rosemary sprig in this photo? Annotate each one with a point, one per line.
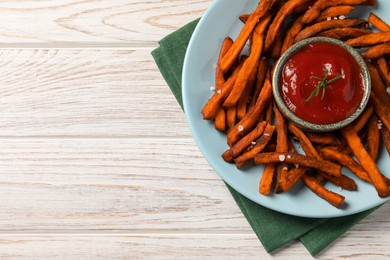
(322, 83)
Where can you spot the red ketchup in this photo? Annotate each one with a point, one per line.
(300, 77)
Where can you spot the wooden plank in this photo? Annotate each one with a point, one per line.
(93, 21)
(367, 245)
(85, 92)
(111, 184)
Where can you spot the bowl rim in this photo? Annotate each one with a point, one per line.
(303, 123)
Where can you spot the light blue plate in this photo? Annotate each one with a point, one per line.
(220, 20)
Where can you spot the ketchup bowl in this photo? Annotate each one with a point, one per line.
(321, 84)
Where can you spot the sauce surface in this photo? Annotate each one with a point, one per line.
(299, 79)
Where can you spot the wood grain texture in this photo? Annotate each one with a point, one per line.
(112, 184)
(85, 92)
(168, 246)
(92, 21)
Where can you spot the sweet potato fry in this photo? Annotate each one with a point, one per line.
(295, 28)
(266, 178)
(344, 33)
(243, 18)
(249, 65)
(287, 9)
(214, 103)
(306, 161)
(260, 78)
(219, 77)
(245, 142)
(366, 161)
(243, 103)
(331, 197)
(370, 39)
(323, 138)
(363, 118)
(373, 137)
(305, 142)
(386, 138)
(220, 117)
(326, 25)
(376, 51)
(251, 118)
(234, 52)
(377, 85)
(346, 161)
(281, 141)
(220, 120)
(231, 116)
(335, 11)
(384, 69)
(257, 148)
(268, 112)
(292, 177)
(277, 46)
(382, 109)
(378, 23)
(315, 11)
(341, 181)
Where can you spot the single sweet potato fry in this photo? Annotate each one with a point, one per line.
(344, 33)
(243, 18)
(384, 69)
(378, 23)
(331, 197)
(266, 178)
(220, 117)
(315, 11)
(243, 103)
(219, 77)
(335, 11)
(373, 137)
(257, 148)
(220, 120)
(326, 25)
(376, 51)
(260, 78)
(341, 181)
(310, 162)
(231, 117)
(323, 138)
(245, 142)
(369, 39)
(246, 124)
(249, 65)
(281, 142)
(386, 138)
(234, 52)
(361, 121)
(305, 142)
(366, 161)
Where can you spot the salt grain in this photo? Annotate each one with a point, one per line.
(253, 143)
(219, 91)
(388, 90)
(329, 18)
(296, 165)
(380, 124)
(282, 157)
(212, 88)
(285, 168)
(288, 156)
(335, 18)
(266, 134)
(342, 17)
(240, 128)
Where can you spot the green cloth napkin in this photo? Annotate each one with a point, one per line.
(274, 229)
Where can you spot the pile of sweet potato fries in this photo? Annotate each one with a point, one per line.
(242, 105)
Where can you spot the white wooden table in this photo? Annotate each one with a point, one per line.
(96, 159)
